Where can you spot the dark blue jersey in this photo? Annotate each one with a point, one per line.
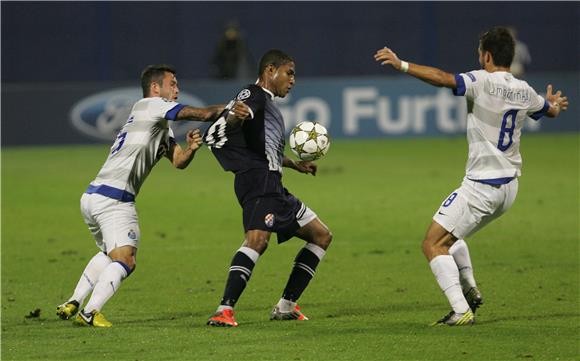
(257, 142)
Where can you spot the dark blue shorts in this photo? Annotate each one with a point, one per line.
(266, 204)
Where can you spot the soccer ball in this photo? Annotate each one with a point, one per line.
(309, 141)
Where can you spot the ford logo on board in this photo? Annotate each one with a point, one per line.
(102, 115)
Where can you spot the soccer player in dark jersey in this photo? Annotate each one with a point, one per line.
(253, 149)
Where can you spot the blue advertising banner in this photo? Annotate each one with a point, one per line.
(385, 107)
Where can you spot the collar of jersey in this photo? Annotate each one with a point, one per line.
(269, 92)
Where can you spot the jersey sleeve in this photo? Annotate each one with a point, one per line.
(161, 108)
(253, 98)
(468, 84)
(538, 105)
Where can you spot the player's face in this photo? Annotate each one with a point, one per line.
(283, 79)
(169, 89)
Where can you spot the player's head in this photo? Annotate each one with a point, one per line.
(159, 81)
(498, 44)
(277, 72)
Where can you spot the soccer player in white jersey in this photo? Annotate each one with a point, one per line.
(498, 105)
(108, 205)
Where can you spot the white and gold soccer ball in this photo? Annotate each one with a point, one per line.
(309, 140)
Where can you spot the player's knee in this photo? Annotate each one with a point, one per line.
(427, 247)
(258, 244)
(261, 246)
(125, 256)
(323, 238)
(128, 264)
(433, 248)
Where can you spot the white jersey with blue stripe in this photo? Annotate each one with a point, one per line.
(142, 141)
(498, 105)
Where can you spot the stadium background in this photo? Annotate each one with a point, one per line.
(79, 62)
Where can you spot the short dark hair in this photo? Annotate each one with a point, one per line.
(275, 57)
(154, 74)
(500, 43)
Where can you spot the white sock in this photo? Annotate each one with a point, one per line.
(90, 277)
(460, 253)
(285, 305)
(106, 287)
(447, 275)
(317, 250)
(223, 307)
(252, 254)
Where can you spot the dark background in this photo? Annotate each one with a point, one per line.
(112, 41)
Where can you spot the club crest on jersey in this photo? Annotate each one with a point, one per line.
(132, 235)
(269, 220)
(244, 94)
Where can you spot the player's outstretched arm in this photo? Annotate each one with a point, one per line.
(427, 74)
(557, 102)
(301, 166)
(212, 112)
(207, 114)
(179, 157)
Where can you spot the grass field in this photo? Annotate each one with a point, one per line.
(373, 295)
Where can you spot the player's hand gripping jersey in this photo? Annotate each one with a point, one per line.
(257, 142)
(142, 141)
(497, 106)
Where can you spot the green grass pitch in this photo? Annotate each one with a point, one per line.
(373, 295)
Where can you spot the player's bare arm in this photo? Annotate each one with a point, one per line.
(557, 102)
(207, 114)
(301, 166)
(181, 157)
(427, 74)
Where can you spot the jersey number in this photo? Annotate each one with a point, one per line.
(450, 199)
(118, 142)
(508, 118)
(216, 134)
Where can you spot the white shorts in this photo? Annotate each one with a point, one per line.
(112, 223)
(473, 205)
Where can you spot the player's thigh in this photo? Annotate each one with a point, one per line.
(437, 241)
(315, 232)
(119, 225)
(437, 235)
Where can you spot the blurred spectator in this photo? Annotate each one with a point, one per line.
(522, 57)
(231, 57)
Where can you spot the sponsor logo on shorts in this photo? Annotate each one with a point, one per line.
(132, 235)
(269, 220)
